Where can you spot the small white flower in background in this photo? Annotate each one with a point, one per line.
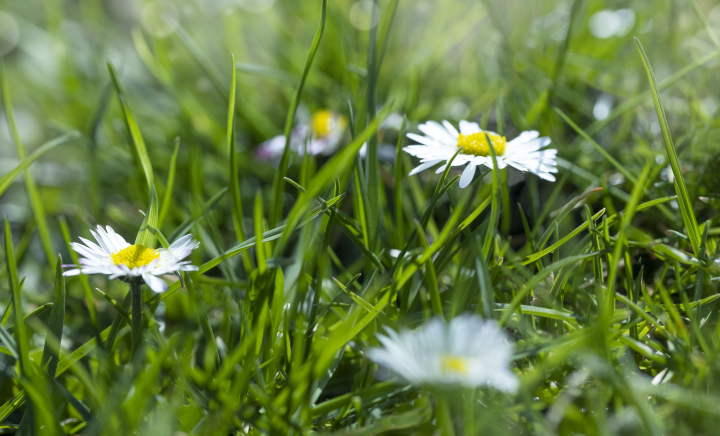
(440, 142)
(468, 351)
(325, 130)
(116, 258)
(324, 133)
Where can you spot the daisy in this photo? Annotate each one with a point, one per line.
(325, 130)
(440, 142)
(118, 259)
(467, 352)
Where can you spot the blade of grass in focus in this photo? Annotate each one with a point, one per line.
(278, 187)
(686, 206)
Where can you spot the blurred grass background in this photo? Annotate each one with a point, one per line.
(507, 64)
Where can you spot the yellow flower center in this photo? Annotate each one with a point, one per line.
(324, 122)
(453, 364)
(134, 256)
(477, 143)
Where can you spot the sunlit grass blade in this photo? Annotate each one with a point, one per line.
(202, 317)
(124, 314)
(237, 210)
(686, 206)
(278, 188)
(597, 146)
(87, 290)
(335, 167)
(197, 215)
(268, 236)
(167, 197)
(21, 334)
(608, 308)
(146, 234)
(55, 323)
(32, 190)
(6, 179)
(258, 223)
(372, 163)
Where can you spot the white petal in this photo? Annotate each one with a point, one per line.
(430, 153)
(85, 251)
(451, 129)
(467, 175)
(180, 241)
(467, 128)
(118, 240)
(526, 136)
(434, 130)
(424, 166)
(93, 247)
(423, 139)
(100, 240)
(109, 240)
(155, 283)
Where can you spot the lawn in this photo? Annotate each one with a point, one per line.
(351, 217)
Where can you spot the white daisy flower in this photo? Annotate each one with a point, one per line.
(440, 142)
(467, 352)
(116, 258)
(325, 130)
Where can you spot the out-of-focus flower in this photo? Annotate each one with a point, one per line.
(323, 134)
(441, 141)
(467, 352)
(607, 23)
(118, 259)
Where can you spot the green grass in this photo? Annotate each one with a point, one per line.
(605, 280)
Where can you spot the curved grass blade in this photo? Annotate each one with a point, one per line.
(197, 216)
(124, 314)
(167, 197)
(628, 175)
(335, 166)
(686, 207)
(55, 323)
(36, 202)
(10, 176)
(237, 210)
(82, 277)
(146, 234)
(278, 187)
(202, 316)
(21, 334)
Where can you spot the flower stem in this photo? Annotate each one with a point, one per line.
(443, 416)
(136, 307)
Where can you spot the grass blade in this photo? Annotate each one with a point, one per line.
(278, 187)
(32, 190)
(167, 197)
(686, 206)
(25, 163)
(146, 234)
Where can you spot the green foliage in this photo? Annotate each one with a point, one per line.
(606, 280)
